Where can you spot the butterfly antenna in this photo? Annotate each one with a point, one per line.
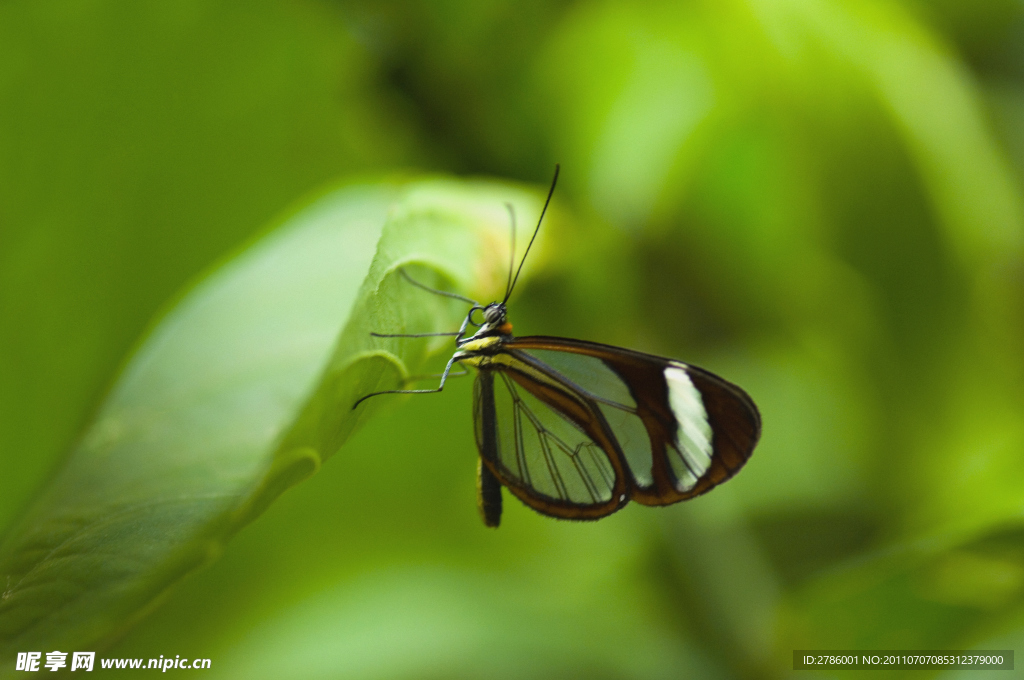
(512, 253)
(551, 191)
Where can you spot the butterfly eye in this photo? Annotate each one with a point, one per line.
(494, 314)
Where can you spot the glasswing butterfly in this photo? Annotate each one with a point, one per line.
(577, 429)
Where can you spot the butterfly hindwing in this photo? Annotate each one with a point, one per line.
(592, 378)
(549, 445)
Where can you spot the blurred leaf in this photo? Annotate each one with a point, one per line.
(387, 625)
(139, 144)
(935, 104)
(198, 435)
(628, 118)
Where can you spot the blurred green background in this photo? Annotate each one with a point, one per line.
(819, 200)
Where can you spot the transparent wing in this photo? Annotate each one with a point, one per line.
(550, 446)
(592, 377)
(576, 429)
(681, 430)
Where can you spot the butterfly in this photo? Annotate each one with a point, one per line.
(577, 429)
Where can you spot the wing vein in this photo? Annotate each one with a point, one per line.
(610, 483)
(588, 482)
(560, 377)
(542, 437)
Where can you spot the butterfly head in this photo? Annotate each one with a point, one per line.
(495, 320)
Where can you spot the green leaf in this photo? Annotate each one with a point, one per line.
(241, 391)
(170, 143)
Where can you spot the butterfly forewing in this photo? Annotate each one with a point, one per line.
(678, 430)
(735, 424)
(641, 432)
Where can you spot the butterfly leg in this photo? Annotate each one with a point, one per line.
(414, 378)
(457, 334)
(413, 335)
(435, 291)
(444, 378)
